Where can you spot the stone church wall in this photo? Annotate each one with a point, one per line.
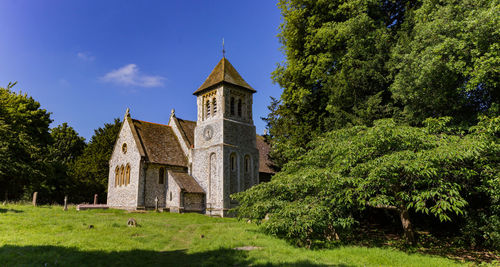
(193, 202)
(173, 195)
(240, 139)
(124, 196)
(207, 156)
(153, 187)
(208, 172)
(239, 179)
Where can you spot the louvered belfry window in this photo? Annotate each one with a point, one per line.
(214, 105)
(207, 108)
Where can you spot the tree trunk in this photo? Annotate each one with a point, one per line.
(405, 222)
(404, 215)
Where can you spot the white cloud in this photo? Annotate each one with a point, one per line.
(85, 56)
(130, 75)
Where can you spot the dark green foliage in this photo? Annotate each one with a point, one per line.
(24, 136)
(335, 73)
(387, 166)
(352, 62)
(66, 147)
(54, 163)
(447, 60)
(90, 171)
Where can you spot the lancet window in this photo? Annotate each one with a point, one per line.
(232, 106)
(161, 176)
(239, 107)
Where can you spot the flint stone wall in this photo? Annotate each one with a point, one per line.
(124, 196)
(193, 202)
(174, 203)
(153, 187)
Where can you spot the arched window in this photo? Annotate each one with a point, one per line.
(214, 105)
(161, 176)
(170, 195)
(127, 174)
(247, 164)
(232, 106)
(233, 174)
(233, 162)
(122, 175)
(239, 107)
(207, 108)
(117, 176)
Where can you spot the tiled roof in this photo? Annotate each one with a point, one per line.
(224, 72)
(265, 165)
(160, 143)
(186, 182)
(188, 128)
(162, 146)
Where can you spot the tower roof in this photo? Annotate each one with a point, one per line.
(224, 72)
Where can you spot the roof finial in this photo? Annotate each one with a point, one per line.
(172, 112)
(223, 51)
(127, 112)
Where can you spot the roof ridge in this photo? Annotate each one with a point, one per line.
(153, 123)
(184, 119)
(182, 131)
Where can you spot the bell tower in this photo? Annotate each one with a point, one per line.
(225, 156)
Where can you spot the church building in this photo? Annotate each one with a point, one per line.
(192, 166)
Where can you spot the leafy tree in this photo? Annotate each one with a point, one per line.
(447, 60)
(65, 148)
(430, 170)
(67, 145)
(352, 62)
(90, 171)
(335, 73)
(24, 136)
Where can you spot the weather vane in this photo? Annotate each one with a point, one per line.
(223, 51)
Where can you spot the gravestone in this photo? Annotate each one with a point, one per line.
(95, 199)
(34, 198)
(156, 203)
(65, 203)
(132, 222)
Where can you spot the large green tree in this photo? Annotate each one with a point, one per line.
(432, 171)
(65, 148)
(335, 71)
(24, 136)
(447, 60)
(90, 171)
(352, 62)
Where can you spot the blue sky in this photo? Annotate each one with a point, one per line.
(87, 61)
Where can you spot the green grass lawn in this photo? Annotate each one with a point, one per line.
(49, 236)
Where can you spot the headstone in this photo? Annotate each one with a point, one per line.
(65, 203)
(132, 222)
(156, 203)
(95, 199)
(34, 198)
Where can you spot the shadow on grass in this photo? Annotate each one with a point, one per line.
(64, 256)
(10, 210)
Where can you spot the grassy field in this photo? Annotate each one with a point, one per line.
(49, 236)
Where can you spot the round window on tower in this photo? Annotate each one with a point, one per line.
(124, 148)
